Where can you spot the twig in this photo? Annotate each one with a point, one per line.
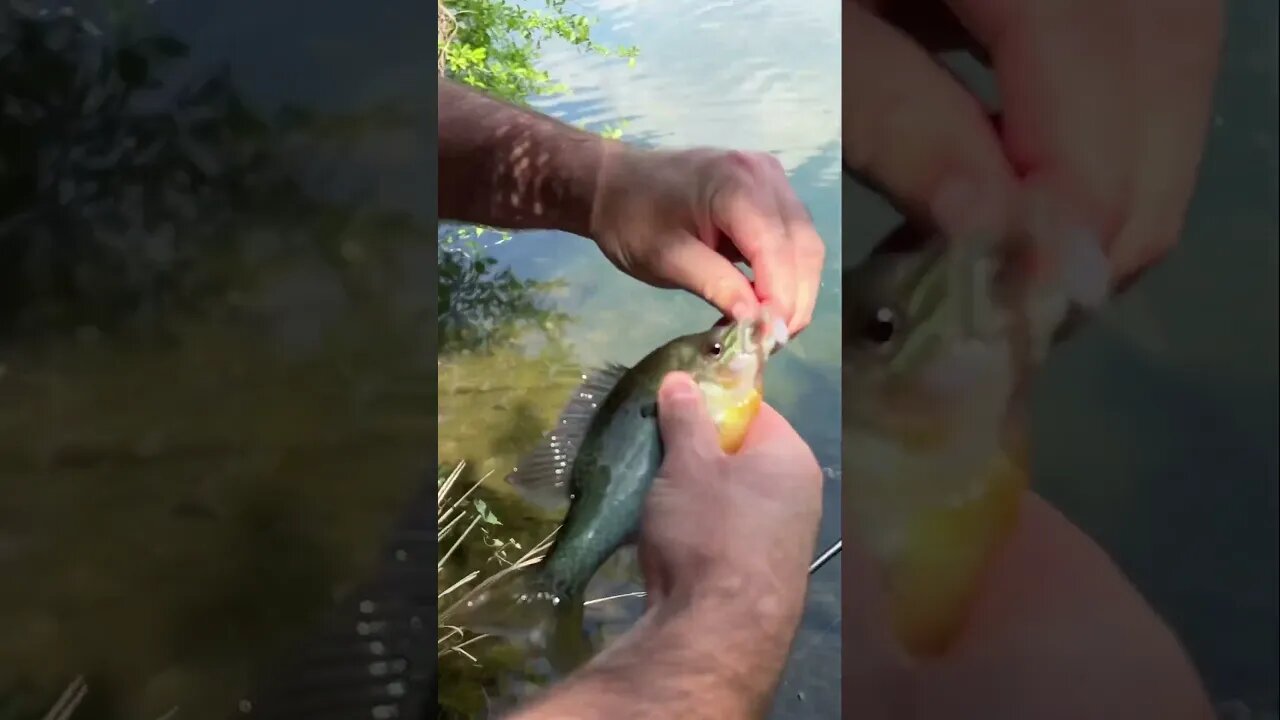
(446, 29)
(69, 700)
(472, 576)
(532, 557)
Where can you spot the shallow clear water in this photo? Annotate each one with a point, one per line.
(209, 418)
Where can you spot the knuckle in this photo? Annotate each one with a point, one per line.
(752, 163)
(740, 161)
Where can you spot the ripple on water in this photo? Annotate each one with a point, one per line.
(753, 75)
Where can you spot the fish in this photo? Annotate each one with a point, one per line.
(941, 338)
(606, 449)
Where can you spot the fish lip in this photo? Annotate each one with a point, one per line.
(765, 333)
(779, 337)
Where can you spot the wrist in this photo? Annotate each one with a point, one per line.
(730, 598)
(617, 167)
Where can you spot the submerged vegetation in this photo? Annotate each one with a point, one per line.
(464, 517)
(186, 488)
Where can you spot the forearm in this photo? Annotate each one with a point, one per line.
(508, 167)
(712, 658)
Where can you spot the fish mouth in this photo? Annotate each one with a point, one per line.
(764, 333)
(746, 346)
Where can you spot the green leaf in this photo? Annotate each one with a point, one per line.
(485, 514)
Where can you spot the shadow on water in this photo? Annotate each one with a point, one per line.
(186, 484)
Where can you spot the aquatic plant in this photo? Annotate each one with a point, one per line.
(461, 518)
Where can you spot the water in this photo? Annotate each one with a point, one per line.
(704, 77)
(1155, 428)
(210, 417)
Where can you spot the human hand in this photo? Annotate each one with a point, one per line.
(738, 525)
(681, 219)
(1105, 110)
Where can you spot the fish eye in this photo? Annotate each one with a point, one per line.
(881, 327)
(715, 349)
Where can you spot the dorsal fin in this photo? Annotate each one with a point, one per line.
(542, 476)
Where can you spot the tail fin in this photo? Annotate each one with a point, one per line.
(569, 647)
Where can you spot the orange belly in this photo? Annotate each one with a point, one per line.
(933, 581)
(734, 421)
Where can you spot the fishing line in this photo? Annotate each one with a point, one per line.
(831, 552)
(823, 559)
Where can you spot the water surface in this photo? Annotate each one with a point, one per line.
(209, 417)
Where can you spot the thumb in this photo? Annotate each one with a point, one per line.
(686, 427)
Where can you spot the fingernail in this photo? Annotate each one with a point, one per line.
(1083, 268)
(780, 333)
(1070, 253)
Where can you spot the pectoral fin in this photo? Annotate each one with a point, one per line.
(543, 475)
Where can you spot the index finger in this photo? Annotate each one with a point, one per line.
(809, 252)
(748, 213)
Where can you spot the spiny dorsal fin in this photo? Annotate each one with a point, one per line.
(543, 475)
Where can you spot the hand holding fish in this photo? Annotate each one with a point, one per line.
(725, 544)
(729, 525)
(1103, 112)
(681, 219)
